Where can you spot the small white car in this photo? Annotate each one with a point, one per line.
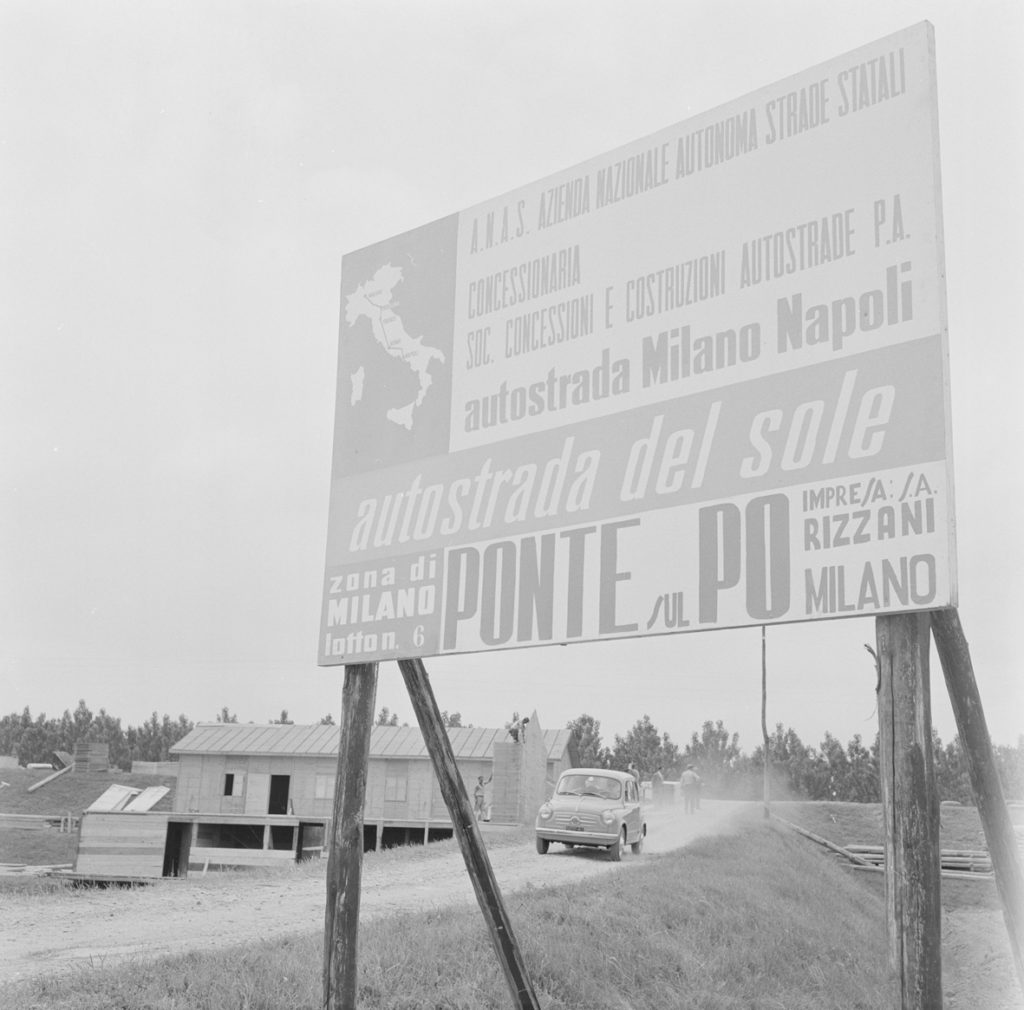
(593, 807)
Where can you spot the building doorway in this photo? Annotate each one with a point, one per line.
(179, 840)
(279, 785)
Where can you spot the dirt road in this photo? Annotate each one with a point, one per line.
(45, 934)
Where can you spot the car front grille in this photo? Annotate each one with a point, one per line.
(578, 821)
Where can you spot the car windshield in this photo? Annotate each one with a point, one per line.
(590, 785)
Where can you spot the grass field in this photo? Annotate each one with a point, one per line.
(758, 920)
(861, 823)
(761, 920)
(37, 845)
(71, 793)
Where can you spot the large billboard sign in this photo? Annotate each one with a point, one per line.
(697, 382)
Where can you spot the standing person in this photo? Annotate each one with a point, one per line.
(514, 727)
(690, 782)
(658, 786)
(479, 796)
(635, 772)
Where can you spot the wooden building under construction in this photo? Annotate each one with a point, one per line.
(260, 794)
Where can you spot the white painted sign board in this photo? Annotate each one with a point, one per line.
(115, 797)
(698, 382)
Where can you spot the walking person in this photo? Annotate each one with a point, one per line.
(690, 782)
(658, 786)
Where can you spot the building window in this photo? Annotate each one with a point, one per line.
(323, 787)
(233, 783)
(394, 788)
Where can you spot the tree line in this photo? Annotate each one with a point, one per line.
(830, 771)
(36, 739)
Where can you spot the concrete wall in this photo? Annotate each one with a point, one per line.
(520, 776)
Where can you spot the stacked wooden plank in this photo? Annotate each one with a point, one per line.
(961, 862)
(92, 757)
(967, 864)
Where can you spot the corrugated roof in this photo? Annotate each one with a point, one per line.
(556, 741)
(249, 738)
(322, 741)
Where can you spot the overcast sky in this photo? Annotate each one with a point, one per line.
(178, 184)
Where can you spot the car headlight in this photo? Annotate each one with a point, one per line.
(608, 817)
(545, 811)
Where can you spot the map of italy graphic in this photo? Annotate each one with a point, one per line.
(375, 300)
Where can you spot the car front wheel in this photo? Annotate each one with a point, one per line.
(542, 846)
(615, 849)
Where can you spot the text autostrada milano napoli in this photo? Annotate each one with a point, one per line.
(674, 353)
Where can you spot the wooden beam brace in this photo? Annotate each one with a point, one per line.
(955, 658)
(853, 857)
(467, 831)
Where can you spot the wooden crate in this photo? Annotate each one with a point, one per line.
(122, 844)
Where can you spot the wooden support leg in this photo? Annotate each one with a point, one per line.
(912, 810)
(766, 785)
(467, 831)
(955, 658)
(886, 774)
(345, 861)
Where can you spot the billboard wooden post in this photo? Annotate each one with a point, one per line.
(467, 831)
(883, 690)
(345, 858)
(955, 658)
(910, 809)
(764, 725)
